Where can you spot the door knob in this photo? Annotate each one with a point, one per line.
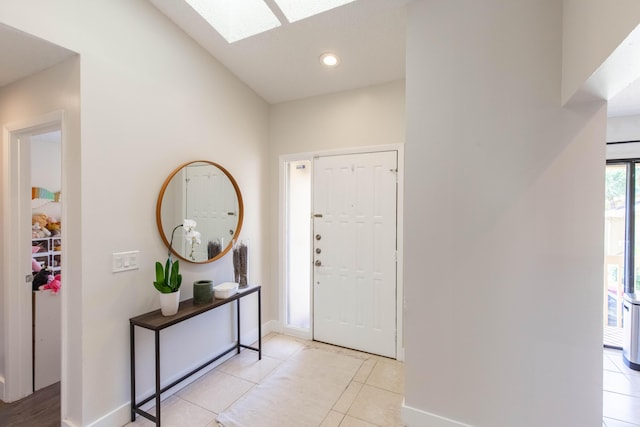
(318, 263)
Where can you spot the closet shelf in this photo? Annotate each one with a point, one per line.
(47, 256)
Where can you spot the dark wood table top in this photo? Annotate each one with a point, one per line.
(154, 320)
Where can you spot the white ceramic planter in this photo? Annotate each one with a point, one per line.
(169, 303)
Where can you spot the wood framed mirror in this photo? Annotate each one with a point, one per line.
(207, 193)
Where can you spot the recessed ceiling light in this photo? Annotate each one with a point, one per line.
(236, 19)
(329, 59)
(296, 10)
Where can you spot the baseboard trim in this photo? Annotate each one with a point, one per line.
(413, 417)
(122, 414)
(118, 417)
(272, 326)
(298, 333)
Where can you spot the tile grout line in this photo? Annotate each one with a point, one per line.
(351, 381)
(354, 401)
(363, 358)
(215, 415)
(621, 394)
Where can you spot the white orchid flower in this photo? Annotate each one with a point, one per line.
(192, 236)
(189, 225)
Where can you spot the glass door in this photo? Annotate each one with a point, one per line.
(615, 216)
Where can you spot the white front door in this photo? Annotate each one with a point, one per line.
(354, 251)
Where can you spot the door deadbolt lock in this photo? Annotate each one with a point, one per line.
(318, 263)
(318, 237)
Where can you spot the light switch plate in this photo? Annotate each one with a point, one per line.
(125, 261)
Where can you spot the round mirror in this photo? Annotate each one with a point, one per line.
(205, 192)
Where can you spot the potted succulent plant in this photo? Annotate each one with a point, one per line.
(168, 277)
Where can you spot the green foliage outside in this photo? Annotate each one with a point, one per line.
(615, 187)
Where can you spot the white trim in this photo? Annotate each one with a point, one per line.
(50, 119)
(412, 417)
(623, 150)
(343, 151)
(17, 341)
(400, 305)
(305, 334)
(17, 307)
(283, 158)
(121, 415)
(272, 326)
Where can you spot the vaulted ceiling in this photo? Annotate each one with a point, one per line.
(23, 55)
(283, 64)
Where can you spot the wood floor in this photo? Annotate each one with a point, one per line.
(41, 409)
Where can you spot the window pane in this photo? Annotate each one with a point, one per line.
(614, 238)
(298, 244)
(636, 247)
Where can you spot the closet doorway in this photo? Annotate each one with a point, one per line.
(20, 337)
(46, 247)
(621, 248)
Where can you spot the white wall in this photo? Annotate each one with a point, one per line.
(150, 100)
(503, 220)
(46, 161)
(369, 116)
(622, 129)
(372, 115)
(592, 30)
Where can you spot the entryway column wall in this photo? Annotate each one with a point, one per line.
(503, 242)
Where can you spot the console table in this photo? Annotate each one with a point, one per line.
(156, 322)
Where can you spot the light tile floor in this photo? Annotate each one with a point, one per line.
(621, 391)
(372, 399)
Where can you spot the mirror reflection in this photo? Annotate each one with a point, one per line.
(205, 192)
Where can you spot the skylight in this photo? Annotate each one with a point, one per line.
(295, 10)
(236, 19)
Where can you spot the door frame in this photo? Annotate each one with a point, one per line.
(400, 304)
(18, 349)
